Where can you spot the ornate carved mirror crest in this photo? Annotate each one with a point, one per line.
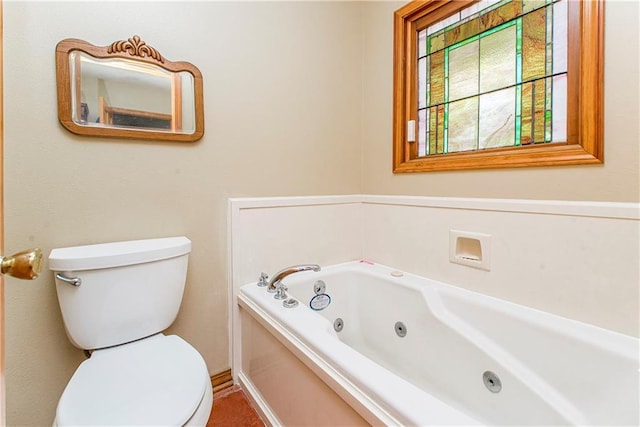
(127, 90)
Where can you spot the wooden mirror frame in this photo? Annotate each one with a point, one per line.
(133, 49)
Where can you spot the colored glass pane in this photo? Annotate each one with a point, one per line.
(531, 5)
(422, 132)
(444, 23)
(463, 71)
(446, 124)
(498, 59)
(422, 82)
(433, 117)
(519, 50)
(500, 15)
(534, 44)
(548, 114)
(518, 127)
(461, 32)
(487, 6)
(560, 37)
(436, 80)
(422, 43)
(526, 136)
(559, 102)
(468, 11)
(440, 130)
(539, 98)
(496, 126)
(463, 125)
(436, 42)
(483, 5)
(549, 42)
(488, 78)
(446, 75)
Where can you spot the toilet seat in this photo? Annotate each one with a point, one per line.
(160, 380)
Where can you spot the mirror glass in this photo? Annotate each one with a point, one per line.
(127, 90)
(122, 93)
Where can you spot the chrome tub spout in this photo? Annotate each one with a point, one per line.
(273, 283)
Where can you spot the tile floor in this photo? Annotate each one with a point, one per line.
(232, 409)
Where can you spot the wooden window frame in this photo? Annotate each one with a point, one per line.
(585, 104)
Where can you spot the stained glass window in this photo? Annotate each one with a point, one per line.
(493, 75)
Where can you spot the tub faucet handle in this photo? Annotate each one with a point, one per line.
(281, 292)
(263, 279)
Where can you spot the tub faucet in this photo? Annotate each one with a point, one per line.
(275, 280)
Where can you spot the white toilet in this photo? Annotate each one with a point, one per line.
(116, 299)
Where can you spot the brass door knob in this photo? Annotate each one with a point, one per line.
(23, 265)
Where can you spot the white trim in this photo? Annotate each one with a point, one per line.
(553, 207)
(620, 210)
(268, 202)
(232, 317)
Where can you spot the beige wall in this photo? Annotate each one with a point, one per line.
(616, 180)
(297, 102)
(282, 110)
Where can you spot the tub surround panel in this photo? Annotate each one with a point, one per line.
(273, 238)
(574, 259)
(286, 386)
(580, 267)
(269, 234)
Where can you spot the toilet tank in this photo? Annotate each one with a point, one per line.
(129, 290)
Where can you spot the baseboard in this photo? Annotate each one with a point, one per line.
(221, 380)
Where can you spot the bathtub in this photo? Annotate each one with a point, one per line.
(406, 350)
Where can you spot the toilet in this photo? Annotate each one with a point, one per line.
(116, 299)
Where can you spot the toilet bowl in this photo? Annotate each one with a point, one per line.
(116, 299)
(156, 381)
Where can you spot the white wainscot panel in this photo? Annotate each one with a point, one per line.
(580, 267)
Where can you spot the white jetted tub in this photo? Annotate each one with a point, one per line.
(419, 352)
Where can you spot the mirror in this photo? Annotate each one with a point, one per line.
(127, 90)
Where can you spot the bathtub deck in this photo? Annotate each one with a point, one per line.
(231, 409)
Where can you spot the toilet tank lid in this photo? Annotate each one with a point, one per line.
(117, 254)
